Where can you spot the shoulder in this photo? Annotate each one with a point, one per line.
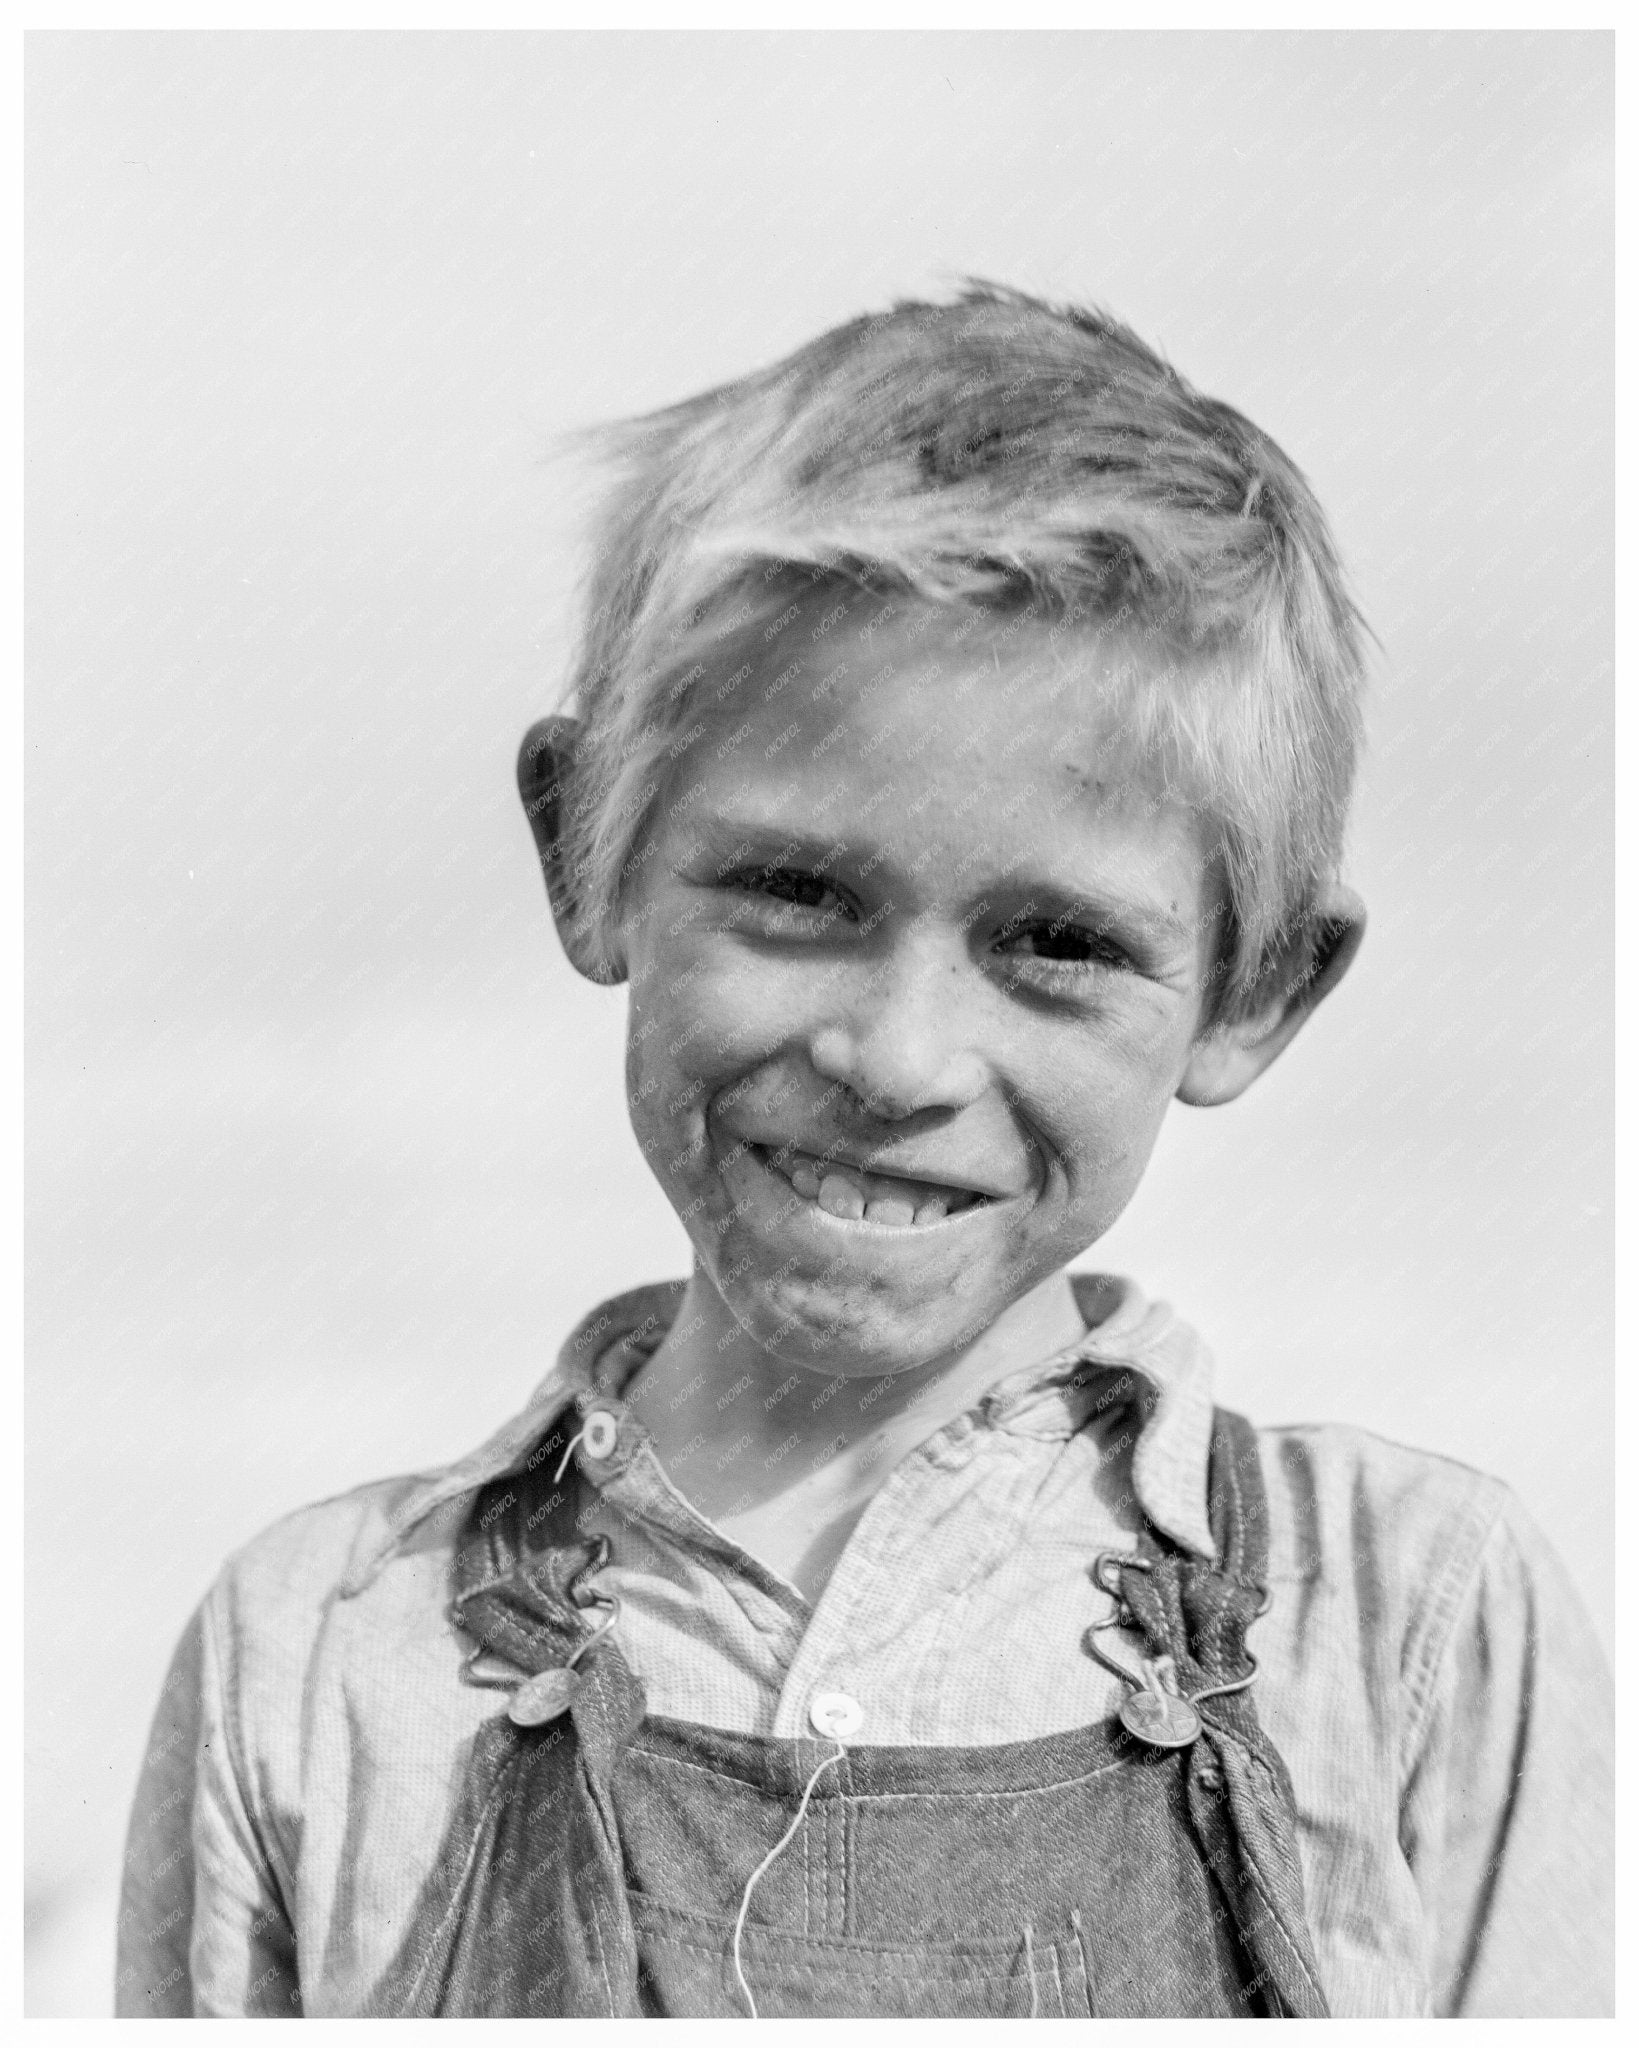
(306, 1554)
(1408, 1551)
(1326, 1480)
(275, 1595)
(310, 1634)
(1388, 1540)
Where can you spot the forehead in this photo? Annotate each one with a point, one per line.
(922, 729)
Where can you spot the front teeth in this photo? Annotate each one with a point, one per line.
(839, 1195)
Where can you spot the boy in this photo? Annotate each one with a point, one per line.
(884, 1620)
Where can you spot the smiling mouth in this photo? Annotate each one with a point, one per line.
(852, 1195)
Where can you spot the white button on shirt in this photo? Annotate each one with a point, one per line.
(837, 1714)
(600, 1435)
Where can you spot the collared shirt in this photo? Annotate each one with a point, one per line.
(1425, 1669)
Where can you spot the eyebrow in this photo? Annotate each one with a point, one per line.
(727, 837)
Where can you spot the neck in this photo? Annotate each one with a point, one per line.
(791, 1454)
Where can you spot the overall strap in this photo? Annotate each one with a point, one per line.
(522, 1564)
(525, 1910)
(1241, 1803)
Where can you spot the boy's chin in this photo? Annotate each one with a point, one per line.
(853, 1333)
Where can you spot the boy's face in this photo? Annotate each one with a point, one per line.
(908, 939)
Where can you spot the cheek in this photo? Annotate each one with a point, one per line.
(665, 1087)
(687, 1042)
(1101, 1118)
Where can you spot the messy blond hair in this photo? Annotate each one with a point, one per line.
(1005, 455)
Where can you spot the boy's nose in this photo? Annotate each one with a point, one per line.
(899, 1040)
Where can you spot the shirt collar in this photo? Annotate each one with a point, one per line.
(1127, 1336)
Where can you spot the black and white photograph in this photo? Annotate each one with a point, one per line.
(818, 997)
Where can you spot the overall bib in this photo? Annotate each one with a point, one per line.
(598, 1862)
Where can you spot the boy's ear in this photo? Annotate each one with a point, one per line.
(544, 762)
(1229, 1057)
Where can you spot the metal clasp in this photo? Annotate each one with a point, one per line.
(1157, 1713)
(1154, 1709)
(1123, 1560)
(553, 1691)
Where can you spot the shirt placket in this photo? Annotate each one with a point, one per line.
(832, 1678)
(636, 1487)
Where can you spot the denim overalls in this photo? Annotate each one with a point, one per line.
(599, 1860)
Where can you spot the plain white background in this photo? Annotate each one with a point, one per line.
(327, 1146)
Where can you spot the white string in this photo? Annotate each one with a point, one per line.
(745, 1896)
(1030, 1965)
(569, 1453)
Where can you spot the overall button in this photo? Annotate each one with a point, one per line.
(836, 1714)
(544, 1697)
(600, 1435)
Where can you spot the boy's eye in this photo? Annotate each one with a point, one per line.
(791, 888)
(1068, 946)
(789, 885)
